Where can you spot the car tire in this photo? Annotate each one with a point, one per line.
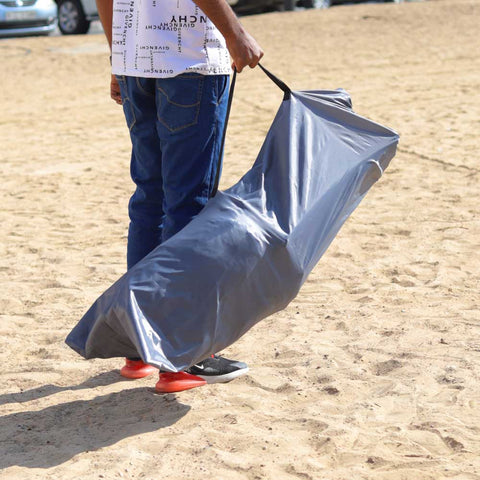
(71, 17)
(317, 3)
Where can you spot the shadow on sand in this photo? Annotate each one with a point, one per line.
(49, 437)
(101, 380)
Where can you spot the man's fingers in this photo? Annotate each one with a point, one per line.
(252, 64)
(255, 62)
(115, 93)
(256, 59)
(116, 96)
(245, 51)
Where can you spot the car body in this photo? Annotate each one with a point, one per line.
(27, 17)
(327, 3)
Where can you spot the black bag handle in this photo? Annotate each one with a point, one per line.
(281, 85)
(286, 96)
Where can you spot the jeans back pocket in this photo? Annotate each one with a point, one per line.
(178, 100)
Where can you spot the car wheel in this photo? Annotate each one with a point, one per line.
(317, 3)
(71, 18)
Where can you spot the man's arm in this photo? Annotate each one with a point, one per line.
(243, 48)
(105, 12)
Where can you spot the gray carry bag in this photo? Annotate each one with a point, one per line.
(246, 255)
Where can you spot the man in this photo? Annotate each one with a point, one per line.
(170, 71)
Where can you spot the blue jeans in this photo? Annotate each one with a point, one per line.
(176, 126)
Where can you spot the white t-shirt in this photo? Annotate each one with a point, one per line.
(163, 38)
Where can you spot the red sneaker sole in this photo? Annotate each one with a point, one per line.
(177, 382)
(137, 372)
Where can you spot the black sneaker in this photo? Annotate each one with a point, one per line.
(216, 369)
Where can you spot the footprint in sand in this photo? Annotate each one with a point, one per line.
(383, 368)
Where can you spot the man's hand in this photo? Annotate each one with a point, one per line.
(115, 90)
(242, 47)
(244, 50)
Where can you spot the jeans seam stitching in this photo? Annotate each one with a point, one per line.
(139, 86)
(126, 100)
(134, 117)
(175, 103)
(197, 104)
(219, 100)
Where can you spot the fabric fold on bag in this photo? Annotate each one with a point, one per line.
(248, 252)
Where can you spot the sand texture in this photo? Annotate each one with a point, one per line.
(371, 373)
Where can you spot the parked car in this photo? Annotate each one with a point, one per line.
(329, 3)
(27, 17)
(258, 6)
(326, 3)
(75, 16)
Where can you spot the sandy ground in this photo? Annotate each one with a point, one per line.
(371, 373)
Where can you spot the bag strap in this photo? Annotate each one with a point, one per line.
(286, 96)
(281, 85)
(220, 156)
